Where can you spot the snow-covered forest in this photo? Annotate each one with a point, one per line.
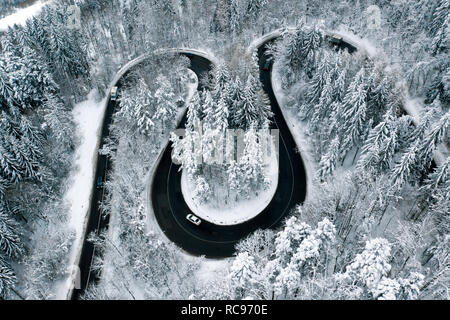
(371, 125)
(7, 6)
(237, 102)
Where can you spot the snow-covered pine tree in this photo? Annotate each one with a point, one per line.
(194, 112)
(209, 108)
(369, 275)
(39, 36)
(382, 97)
(143, 102)
(31, 135)
(58, 121)
(437, 134)
(322, 109)
(29, 91)
(311, 43)
(211, 142)
(11, 245)
(221, 116)
(145, 123)
(440, 15)
(381, 144)
(6, 91)
(236, 16)
(370, 266)
(313, 252)
(340, 85)
(221, 82)
(289, 239)
(300, 253)
(202, 191)
(439, 178)
(301, 47)
(20, 152)
(234, 174)
(292, 48)
(329, 160)
(7, 278)
(418, 156)
(243, 274)
(440, 25)
(252, 162)
(354, 113)
(236, 93)
(418, 134)
(319, 79)
(254, 8)
(254, 109)
(67, 51)
(406, 169)
(25, 158)
(187, 151)
(128, 102)
(166, 107)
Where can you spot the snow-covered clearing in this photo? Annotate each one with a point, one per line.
(21, 15)
(88, 117)
(219, 212)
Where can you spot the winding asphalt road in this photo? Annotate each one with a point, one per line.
(168, 203)
(213, 240)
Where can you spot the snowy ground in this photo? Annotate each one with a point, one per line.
(21, 15)
(88, 118)
(217, 212)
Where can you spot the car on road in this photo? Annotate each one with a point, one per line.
(114, 94)
(193, 219)
(99, 182)
(266, 65)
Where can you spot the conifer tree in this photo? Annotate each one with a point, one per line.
(328, 161)
(381, 144)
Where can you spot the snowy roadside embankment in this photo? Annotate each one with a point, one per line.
(22, 15)
(88, 118)
(296, 128)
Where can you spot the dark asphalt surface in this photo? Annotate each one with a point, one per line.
(213, 240)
